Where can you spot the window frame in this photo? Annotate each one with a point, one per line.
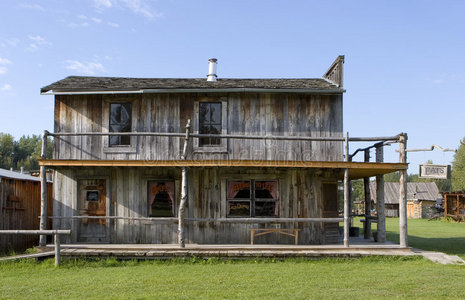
(252, 199)
(149, 181)
(106, 103)
(223, 145)
(110, 124)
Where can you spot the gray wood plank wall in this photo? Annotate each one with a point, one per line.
(247, 114)
(299, 196)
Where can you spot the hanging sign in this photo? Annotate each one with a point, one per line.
(434, 171)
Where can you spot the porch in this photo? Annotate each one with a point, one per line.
(359, 247)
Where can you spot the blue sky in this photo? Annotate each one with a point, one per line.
(404, 69)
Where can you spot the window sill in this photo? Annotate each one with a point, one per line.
(211, 150)
(120, 149)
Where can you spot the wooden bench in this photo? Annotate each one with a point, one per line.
(262, 231)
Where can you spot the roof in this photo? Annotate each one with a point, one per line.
(86, 84)
(421, 191)
(15, 175)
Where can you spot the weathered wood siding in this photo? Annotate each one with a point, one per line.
(20, 209)
(299, 196)
(247, 114)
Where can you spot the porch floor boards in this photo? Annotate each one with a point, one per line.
(358, 248)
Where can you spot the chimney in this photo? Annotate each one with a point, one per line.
(22, 170)
(212, 69)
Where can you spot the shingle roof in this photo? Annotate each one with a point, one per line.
(422, 191)
(102, 84)
(15, 175)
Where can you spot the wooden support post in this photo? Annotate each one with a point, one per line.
(346, 196)
(57, 249)
(380, 205)
(366, 189)
(182, 205)
(43, 192)
(403, 192)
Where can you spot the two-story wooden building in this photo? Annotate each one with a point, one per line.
(257, 153)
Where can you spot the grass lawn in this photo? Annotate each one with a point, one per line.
(371, 277)
(433, 235)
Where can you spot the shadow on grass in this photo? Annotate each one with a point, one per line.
(453, 245)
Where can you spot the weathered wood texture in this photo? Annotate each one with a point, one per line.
(20, 209)
(247, 114)
(299, 197)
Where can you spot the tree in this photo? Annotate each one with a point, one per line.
(458, 168)
(23, 153)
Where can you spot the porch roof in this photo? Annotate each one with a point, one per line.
(357, 170)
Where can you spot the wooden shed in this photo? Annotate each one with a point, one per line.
(174, 160)
(20, 208)
(421, 198)
(454, 204)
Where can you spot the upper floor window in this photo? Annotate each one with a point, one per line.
(210, 122)
(120, 121)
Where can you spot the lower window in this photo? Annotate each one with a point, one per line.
(161, 198)
(252, 198)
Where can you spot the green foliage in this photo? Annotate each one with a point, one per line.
(7, 149)
(22, 153)
(458, 168)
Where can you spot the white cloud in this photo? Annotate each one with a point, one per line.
(113, 24)
(6, 87)
(9, 42)
(37, 41)
(32, 6)
(140, 7)
(97, 20)
(103, 3)
(438, 81)
(4, 61)
(87, 68)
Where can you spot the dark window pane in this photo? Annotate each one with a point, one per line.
(215, 113)
(266, 189)
(238, 190)
(204, 112)
(120, 121)
(209, 122)
(238, 208)
(265, 209)
(161, 199)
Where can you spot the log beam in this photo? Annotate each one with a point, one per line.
(380, 205)
(43, 192)
(366, 189)
(403, 192)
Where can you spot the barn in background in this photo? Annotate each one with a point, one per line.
(421, 198)
(20, 208)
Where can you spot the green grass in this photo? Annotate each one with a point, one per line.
(433, 235)
(371, 277)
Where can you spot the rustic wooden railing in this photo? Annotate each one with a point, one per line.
(56, 235)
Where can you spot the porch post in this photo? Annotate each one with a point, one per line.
(403, 192)
(366, 188)
(346, 196)
(43, 192)
(182, 205)
(380, 205)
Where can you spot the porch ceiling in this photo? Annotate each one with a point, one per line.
(357, 170)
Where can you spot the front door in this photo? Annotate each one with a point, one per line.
(92, 201)
(330, 210)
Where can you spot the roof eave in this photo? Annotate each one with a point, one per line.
(196, 90)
